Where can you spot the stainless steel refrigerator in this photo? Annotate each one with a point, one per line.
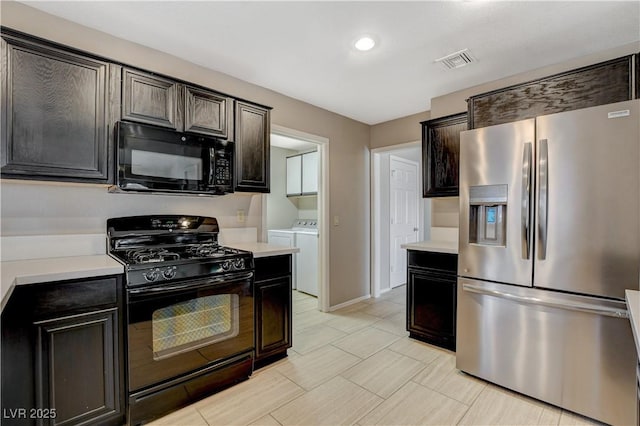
(549, 241)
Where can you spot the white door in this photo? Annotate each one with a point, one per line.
(403, 204)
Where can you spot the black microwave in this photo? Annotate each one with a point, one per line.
(155, 159)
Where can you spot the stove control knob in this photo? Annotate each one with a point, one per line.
(169, 273)
(152, 274)
(239, 264)
(226, 265)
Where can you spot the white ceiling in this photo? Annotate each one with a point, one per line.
(291, 143)
(304, 49)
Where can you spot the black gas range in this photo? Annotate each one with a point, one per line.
(157, 249)
(190, 319)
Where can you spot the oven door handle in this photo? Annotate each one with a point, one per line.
(193, 284)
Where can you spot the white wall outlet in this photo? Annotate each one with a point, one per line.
(240, 216)
(336, 220)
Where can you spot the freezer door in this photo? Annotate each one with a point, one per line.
(576, 352)
(496, 194)
(588, 200)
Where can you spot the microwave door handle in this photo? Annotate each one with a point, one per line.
(526, 196)
(543, 199)
(212, 166)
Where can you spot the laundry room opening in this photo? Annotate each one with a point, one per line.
(295, 213)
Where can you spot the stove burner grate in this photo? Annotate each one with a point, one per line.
(151, 255)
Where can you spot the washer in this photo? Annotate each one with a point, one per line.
(303, 234)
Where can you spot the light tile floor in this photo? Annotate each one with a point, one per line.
(358, 366)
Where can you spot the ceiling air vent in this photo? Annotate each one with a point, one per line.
(457, 59)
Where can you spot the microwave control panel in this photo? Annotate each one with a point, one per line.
(223, 168)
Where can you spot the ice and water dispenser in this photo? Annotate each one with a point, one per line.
(488, 215)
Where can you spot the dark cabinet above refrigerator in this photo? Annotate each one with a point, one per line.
(599, 84)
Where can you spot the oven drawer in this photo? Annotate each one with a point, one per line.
(159, 400)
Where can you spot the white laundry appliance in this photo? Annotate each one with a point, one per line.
(303, 234)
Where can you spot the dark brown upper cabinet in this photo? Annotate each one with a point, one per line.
(441, 155)
(56, 112)
(150, 99)
(208, 113)
(153, 99)
(252, 147)
(598, 84)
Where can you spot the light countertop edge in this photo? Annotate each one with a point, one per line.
(633, 305)
(435, 246)
(34, 271)
(264, 249)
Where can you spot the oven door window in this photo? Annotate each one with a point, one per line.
(193, 324)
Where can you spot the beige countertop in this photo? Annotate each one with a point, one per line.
(431, 245)
(633, 305)
(263, 249)
(33, 271)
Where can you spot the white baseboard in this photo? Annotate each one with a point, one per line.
(349, 303)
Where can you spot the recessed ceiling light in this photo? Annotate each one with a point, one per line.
(365, 43)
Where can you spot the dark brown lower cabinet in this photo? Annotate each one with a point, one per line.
(431, 297)
(62, 354)
(272, 308)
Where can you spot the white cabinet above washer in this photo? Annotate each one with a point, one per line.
(310, 173)
(294, 175)
(302, 174)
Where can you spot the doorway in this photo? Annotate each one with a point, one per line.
(398, 212)
(282, 211)
(403, 215)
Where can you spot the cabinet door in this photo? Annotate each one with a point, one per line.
(431, 308)
(207, 113)
(252, 148)
(294, 175)
(441, 155)
(310, 173)
(273, 316)
(150, 99)
(54, 113)
(77, 367)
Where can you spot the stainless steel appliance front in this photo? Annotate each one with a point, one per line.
(576, 352)
(572, 232)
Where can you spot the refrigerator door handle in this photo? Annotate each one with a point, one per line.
(543, 199)
(526, 196)
(552, 303)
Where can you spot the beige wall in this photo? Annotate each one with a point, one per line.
(398, 131)
(348, 141)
